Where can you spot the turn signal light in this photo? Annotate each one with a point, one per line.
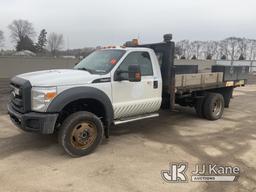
(50, 95)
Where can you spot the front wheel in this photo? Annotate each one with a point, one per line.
(81, 133)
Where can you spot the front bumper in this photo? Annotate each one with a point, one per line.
(43, 123)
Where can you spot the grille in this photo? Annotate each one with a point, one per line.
(16, 99)
(20, 94)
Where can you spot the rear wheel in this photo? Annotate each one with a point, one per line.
(213, 106)
(81, 133)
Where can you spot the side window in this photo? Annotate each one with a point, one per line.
(140, 58)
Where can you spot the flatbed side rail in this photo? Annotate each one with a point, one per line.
(203, 81)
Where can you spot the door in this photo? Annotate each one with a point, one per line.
(136, 98)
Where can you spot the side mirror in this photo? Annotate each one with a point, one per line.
(134, 73)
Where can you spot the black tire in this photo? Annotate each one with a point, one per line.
(213, 106)
(199, 107)
(81, 133)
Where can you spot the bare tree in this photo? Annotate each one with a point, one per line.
(251, 48)
(232, 48)
(21, 29)
(210, 49)
(183, 46)
(189, 50)
(1, 38)
(196, 47)
(186, 48)
(55, 42)
(178, 51)
(242, 47)
(223, 48)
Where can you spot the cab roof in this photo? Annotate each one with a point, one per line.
(127, 48)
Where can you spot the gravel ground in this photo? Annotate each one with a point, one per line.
(4, 95)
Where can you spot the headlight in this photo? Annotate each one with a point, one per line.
(41, 97)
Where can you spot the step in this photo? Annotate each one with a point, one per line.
(135, 118)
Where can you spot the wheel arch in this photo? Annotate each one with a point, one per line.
(82, 93)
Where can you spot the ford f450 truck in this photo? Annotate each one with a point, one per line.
(112, 86)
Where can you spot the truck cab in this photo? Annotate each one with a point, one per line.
(111, 86)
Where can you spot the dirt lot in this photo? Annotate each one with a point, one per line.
(135, 154)
(4, 94)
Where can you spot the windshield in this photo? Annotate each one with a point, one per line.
(100, 61)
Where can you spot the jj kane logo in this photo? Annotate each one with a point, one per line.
(176, 173)
(200, 173)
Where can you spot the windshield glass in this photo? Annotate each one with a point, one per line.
(100, 61)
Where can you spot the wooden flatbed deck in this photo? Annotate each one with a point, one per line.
(203, 81)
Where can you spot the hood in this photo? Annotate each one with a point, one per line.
(59, 77)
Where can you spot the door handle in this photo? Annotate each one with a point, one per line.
(155, 84)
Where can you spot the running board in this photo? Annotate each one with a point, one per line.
(136, 118)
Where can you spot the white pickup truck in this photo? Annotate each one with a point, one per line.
(112, 86)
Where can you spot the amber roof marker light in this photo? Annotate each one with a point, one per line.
(135, 42)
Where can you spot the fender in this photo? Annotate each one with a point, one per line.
(76, 93)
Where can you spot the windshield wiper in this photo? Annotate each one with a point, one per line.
(85, 69)
(100, 71)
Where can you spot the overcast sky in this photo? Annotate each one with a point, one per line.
(112, 22)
